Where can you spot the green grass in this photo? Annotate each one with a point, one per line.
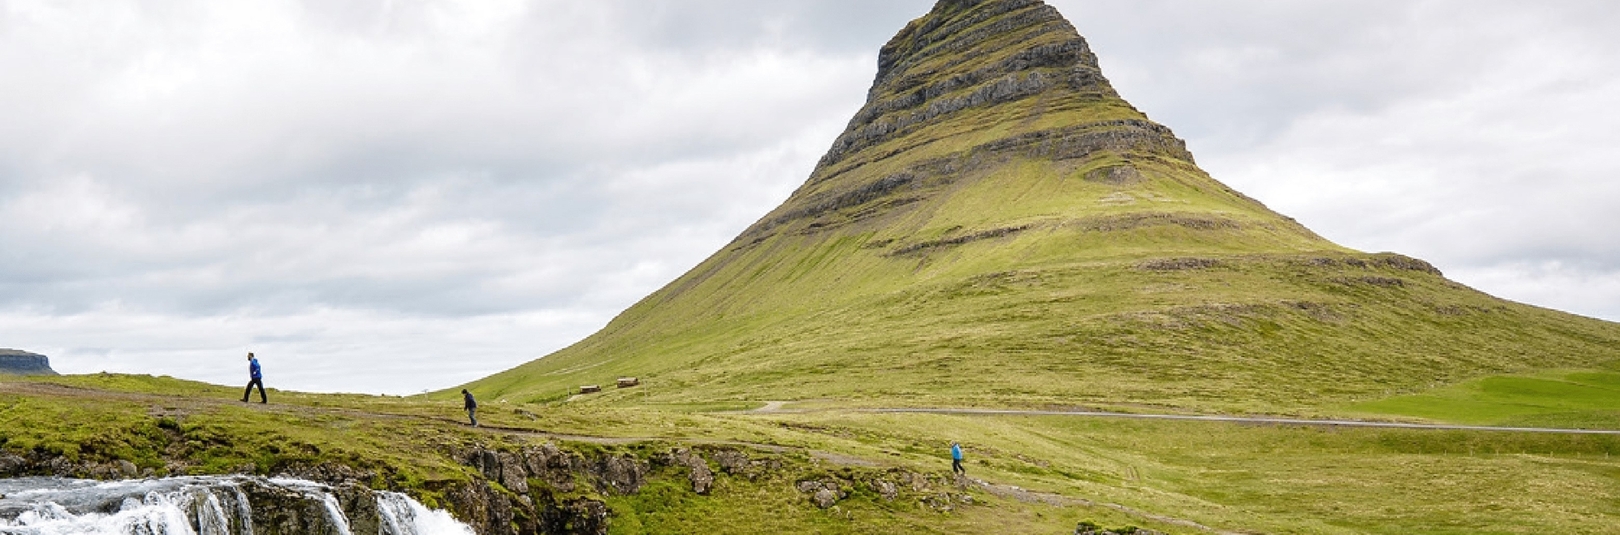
(1562, 398)
(166, 426)
(742, 506)
(1268, 479)
(1246, 478)
(1255, 333)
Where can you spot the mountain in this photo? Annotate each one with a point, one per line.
(19, 362)
(997, 226)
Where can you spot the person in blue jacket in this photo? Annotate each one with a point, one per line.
(471, 406)
(956, 459)
(257, 380)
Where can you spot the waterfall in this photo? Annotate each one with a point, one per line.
(400, 515)
(209, 505)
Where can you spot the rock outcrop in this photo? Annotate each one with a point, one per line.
(1090, 528)
(528, 490)
(24, 363)
(553, 478)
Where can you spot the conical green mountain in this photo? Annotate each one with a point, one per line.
(996, 226)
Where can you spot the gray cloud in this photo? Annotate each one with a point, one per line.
(390, 197)
(1472, 134)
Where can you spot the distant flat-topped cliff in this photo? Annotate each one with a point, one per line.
(24, 363)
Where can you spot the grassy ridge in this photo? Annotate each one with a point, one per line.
(166, 426)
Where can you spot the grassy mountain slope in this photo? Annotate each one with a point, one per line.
(996, 226)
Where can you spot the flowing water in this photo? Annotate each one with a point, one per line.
(209, 505)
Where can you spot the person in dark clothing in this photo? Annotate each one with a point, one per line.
(956, 459)
(257, 380)
(471, 406)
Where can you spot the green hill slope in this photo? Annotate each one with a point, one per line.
(996, 226)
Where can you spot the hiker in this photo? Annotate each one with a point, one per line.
(956, 459)
(257, 380)
(470, 405)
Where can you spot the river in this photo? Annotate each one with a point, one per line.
(211, 505)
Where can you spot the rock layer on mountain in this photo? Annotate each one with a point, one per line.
(996, 225)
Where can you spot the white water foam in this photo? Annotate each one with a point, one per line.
(186, 506)
(403, 516)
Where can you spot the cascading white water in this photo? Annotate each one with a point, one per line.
(189, 506)
(403, 516)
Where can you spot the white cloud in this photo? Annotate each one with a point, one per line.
(337, 184)
(1476, 135)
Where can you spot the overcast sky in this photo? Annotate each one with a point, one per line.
(393, 196)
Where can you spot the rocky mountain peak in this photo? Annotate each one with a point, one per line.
(972, 87)
(956, 26)
(967, 54)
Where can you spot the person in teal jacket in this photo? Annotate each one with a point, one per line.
(956, 459)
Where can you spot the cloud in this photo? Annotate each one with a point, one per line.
(1476, 135)
(410, 171)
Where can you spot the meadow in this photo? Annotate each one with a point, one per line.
(1040, 474)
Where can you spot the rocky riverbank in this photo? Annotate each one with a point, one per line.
(547, 488)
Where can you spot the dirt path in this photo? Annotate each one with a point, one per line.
(777, 407)
(1058, 500)
(771, 406)
(1245, 419)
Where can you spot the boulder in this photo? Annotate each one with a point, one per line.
(824, 498)
(698, 470)
(1087, 527)
(621, 474)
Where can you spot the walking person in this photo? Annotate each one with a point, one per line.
(257, 379)
(956, 459)
(471, 406)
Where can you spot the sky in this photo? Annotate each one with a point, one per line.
(395, 196)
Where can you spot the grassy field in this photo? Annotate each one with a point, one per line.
(1557, 398)
(1276, 479)
(1228, 477)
